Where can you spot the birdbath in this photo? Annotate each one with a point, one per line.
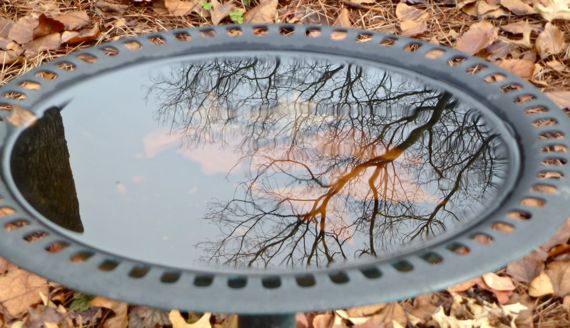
(269, 169)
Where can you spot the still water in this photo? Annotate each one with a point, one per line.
(261, 161)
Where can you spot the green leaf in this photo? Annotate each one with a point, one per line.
(80, 302)
(207, 5)
(236, 16)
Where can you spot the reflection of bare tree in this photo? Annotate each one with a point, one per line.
(336, 160)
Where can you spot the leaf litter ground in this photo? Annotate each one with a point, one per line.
(530, 38)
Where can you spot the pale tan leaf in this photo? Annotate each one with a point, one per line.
(553, 9)
(521, 67)
(9, 56)
(48, 42)
(111, 7)
(520, 27)
(5, 26)
(566, 304)
(527, 268)
(120, 320)
(178, 321)
(23, 30)
(479, 36)
(518, 7)
(84, 35)
(413, 21)
(550, 41)
(486, 10)
(541, 286)
(560, 98)
(559, 273)
(389, 314)
(73, 20)
(182, 8)
(264, 12)
(364, 311)
(20, 289)
(497, 282)
(343, 19)
(323, 320)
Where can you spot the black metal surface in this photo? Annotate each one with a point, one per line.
(530, 202)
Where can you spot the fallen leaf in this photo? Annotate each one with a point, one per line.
(479, 36)
(111, 7)
(520, 27)
(521, 67)
(220, 11)
(182, 8)
(5, 26)
(323, 320)
(147, 317)
(486, 10)
(497, 282)
(120, 320)
(365, 311)
(343, 19)
(84, 35)
(73, 20)
(178, 321)
(527, 268)
(9, 56)
(566, 304)
(518, 7)
(23, 30)
(412, 21)
(550, 41)
(48, 42)
(264, 12)
(464, 286)
(422, 307)
(526, 31)
(554, 9)
(20, 289)
(541, 286)
(559, 273)
(390, 314)
(47, 26)
(560, 98)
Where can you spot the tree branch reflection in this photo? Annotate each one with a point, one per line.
(335, 161)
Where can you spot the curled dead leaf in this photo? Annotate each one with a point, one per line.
(19, 290)
(264, 12)
(23, 30)
(182, 8)
(47, 26)
(220, 11)
(479, 36)
(85, 35)
(48, 42)
(527, 268)
(111, 7)
(559, 273)
(73, 20)
(5, 26)
(521, 67)
(497, 282)
(550, 41)
(120, 320)
(553, 9)
(518, 7)
(178, 321)
(413, 21)
(541, 286)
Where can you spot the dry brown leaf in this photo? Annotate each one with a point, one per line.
(554, 9)
(323, 320)
(556, 65)
(559, 273)
(178, 321)
(520, 27)
(73, 20)
(518, 7)
(20, 289)
(220, 11)
(47, 26)
(412, 21)
(560, 98)
(566, 304)
(479, 36)
(464, 286)
(5, 26)
(111, 7)
(365, 311)
(423, 307)
(527, 268)
(264, 12)
(525, 29)
(497, 282)
(48, 42)
(9, 56)
(550, 41)
(120, 320)
(23, 30)
(182, 8)
(520, 67)
(391, 315)
(343, 19)
(486, 10)
(84, 35)
(541, 286)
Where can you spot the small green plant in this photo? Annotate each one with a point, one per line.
(80, 302)
(236, 16)
(207, 5)
(246, 2)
